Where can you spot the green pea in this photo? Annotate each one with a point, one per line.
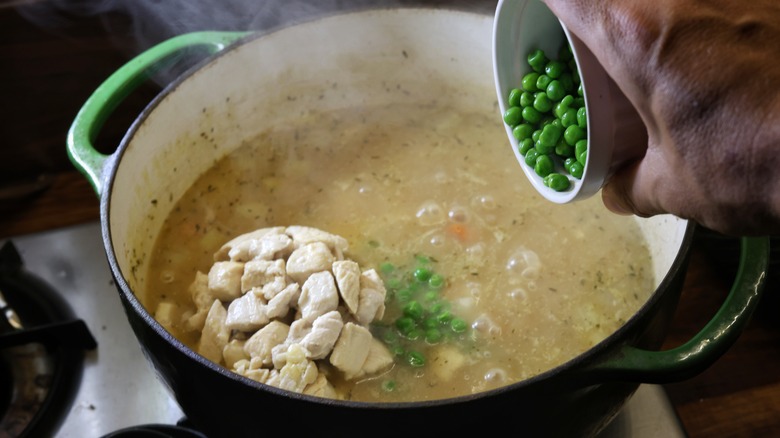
(388, 385)
(433, 336)
(537, 60)
(575, 76)
(415, 359)
(554, 69)
(582, 118)
(437, 281)
(405, 325)
(550, 135)
(422, 274)
(568, 162)
(431, 296)
(439, 307)
(543, 149)
(393, 283)
(414, 310)
(525, 145)
(531, 114)
(567, 81)
(530, 157)
(542, 103)
(563, 105)
(421, 259)
(581, 146)
(444, 317)
(514, 97)
(542, 82)
(573, 134)
(528, 83)
(458, 325)
(526, 99)
(580, 92)
(555, 90)
(556, 181)
(563, 149)
(535, 135)
(582, 158)
(387, 268)
(513, 116)
(576, 170)
(544, 165)
(430, 323)
(569, 117)
(522, 131)
(415, 334)
(398, 351)
(578, 102)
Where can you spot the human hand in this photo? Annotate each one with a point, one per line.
(705, 78)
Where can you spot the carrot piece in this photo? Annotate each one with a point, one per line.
(460, 231)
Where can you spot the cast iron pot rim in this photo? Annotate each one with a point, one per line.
(109, 174)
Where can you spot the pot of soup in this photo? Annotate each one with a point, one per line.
(320, 230)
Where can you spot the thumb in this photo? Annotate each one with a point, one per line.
(633, 189)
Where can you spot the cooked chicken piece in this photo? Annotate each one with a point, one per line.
(321, 388)
(372, 306)
(304, 235)
(225, 280)
(264, 277)
(298, 371)
(379, 359)
(264, 340)
(166, 313)
(202, 298)
(347, 273)
(323, 335)
(223, 253)
(215, 333)
(445, 361)
(318, 295)
(372, 297)
(351, 350)
(247, 313)
(268, 247)
(280, 305)
(308, 259)
(261, 375)
(233, 352)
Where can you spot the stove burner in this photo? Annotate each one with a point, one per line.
(41, 351)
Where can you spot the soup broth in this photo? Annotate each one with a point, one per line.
(537, 283)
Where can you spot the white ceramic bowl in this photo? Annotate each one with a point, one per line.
(616, 133)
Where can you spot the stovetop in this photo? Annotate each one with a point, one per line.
(119, 388)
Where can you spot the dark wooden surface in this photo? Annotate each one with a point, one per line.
(48, 70)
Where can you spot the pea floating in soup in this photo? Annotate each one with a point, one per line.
(531, 283)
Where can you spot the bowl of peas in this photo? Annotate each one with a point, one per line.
(568, 123)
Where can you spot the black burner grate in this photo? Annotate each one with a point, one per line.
(42, 348)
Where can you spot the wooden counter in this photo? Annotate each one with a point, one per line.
(47, 75)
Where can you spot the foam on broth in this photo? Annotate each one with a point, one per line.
(390, 179)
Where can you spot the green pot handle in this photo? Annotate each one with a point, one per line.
(636, 365)
(117, 87)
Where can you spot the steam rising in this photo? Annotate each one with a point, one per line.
(148, 22)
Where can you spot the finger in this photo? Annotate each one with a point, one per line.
(635, 189)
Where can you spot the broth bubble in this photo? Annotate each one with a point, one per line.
(430, 213)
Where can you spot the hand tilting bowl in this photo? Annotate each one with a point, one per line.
(246, 87)
(616, 133)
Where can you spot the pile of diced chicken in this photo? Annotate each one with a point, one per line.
(283, 306)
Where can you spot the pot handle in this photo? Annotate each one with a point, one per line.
(117, 87)
(689, 359)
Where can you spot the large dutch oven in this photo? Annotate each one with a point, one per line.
(253, 81)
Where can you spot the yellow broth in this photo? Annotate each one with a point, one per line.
(393, 180)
